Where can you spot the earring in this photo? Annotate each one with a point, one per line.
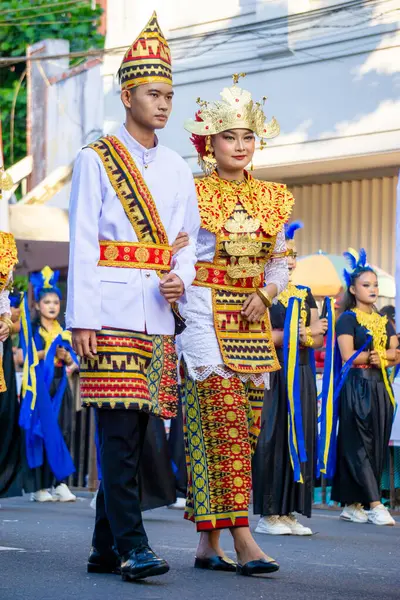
(252, 166)
(209, 163)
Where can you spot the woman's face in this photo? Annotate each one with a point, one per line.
(292, 258)
(233, 149)
(366, 288)
(49, 306)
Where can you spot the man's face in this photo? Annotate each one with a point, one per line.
(149, 105)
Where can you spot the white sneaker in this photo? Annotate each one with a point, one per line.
(295, 527)
(180, 504)
(380, 516)
(273, 526)
(354, 513)
(94, 500)
(42, 496)
(62, 493)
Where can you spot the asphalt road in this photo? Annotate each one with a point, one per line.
(43, 551)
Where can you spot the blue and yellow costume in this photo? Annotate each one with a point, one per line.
(46, 411)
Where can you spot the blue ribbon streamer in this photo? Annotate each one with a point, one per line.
(327, 396)
(296, 433)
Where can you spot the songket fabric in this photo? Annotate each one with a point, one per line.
(221, 430)
(131, 370)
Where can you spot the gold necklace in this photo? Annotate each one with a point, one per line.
(292, 291)
(49, 335)
(375, 324)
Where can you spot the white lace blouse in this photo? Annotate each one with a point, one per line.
(198, 344)
(5, 308)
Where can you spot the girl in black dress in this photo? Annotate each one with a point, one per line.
(276, 494)
(367, 344)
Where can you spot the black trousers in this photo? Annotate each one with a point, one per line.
(118, 515)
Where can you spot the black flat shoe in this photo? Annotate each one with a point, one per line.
(103, 562)
(257, 567)
(216, 563)
(142, 562)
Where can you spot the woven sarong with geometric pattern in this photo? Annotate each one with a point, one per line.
(222, 418)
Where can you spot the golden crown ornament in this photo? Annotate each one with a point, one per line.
(236, 110)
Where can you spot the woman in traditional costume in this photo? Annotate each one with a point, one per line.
(367, 343)
(55, 354)
(227, 347)
(278, 490)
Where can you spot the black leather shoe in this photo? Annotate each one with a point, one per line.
(216, 563)
(103, 562)
(257, 567)
(140, 563)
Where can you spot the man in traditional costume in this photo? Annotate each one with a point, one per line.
(130, 199)
(227, 345)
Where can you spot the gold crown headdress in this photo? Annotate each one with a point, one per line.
(236, 110)
(148, 59)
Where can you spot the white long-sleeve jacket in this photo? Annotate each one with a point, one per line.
(126, 298)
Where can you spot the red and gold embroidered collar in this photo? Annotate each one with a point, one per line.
(270, 203)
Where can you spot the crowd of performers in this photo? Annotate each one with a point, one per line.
(181, 284)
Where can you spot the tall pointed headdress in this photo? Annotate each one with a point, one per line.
(148, 60)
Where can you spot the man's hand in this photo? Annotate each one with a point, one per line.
(4, 331)
(84, 342)
(181, 241)
(171, 287)
(253, 309)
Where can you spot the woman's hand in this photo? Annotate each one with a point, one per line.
(4, 331)
(375, 359)
(15, 314)
(181, 241)
(319, 327)
(61, 354)
(253, 309)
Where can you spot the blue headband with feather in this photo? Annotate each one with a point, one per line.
(45, 282)
(358, 264)
(291, 228)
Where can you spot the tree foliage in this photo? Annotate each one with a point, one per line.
(23, 23)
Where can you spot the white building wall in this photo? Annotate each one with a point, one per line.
(331, 76)
(65, 111)
(75, 118)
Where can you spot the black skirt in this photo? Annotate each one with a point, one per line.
(274, 490)
(176, 443)
(365, 423)
(10, 433)
(42, 477)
